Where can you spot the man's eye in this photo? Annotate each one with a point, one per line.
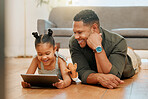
(79, 32)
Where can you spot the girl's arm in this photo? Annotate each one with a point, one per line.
(31, 70)
(66, 78)
(33, 66)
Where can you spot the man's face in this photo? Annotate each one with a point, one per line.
(81, 32)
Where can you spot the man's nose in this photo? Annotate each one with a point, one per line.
(76, 36)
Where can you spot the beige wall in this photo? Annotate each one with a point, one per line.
(20, 18)
(15, 26)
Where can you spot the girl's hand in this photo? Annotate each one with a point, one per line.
(25, 84)
(59, 84)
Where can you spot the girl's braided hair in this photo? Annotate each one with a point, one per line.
(46, 38)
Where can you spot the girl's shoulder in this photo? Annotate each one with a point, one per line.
(61, 60)
(35, 59)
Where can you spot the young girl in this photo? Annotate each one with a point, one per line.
(48, 61)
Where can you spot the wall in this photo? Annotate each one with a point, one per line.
(17, 21)
(20, 21)
(110, 2)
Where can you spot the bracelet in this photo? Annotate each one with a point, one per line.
(75, 79)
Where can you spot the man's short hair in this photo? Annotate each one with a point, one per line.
(87, 16)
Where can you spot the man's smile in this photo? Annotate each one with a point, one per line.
(80, 41)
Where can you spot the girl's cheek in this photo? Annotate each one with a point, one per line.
(50, 56)
(39, 58)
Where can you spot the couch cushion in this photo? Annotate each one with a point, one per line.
(137, 43)
(65, 32)
(132, 32)
(63, 41)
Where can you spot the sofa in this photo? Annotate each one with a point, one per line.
(131, 22)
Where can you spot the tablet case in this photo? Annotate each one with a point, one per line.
(40, 79)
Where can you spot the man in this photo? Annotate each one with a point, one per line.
(101, 56)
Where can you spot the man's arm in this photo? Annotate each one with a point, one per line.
(103, 64)
(106, 80)
(115, 63)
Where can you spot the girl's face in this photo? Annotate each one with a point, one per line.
(45, 53)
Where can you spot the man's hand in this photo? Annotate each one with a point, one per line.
(109, 80)
(94, 40)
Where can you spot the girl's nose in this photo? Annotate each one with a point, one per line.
(44, 57)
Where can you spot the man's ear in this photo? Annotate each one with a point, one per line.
(94, 28)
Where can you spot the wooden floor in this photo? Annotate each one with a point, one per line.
(133, 88)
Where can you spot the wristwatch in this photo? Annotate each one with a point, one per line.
(98, 49)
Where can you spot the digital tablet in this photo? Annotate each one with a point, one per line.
(40, 79)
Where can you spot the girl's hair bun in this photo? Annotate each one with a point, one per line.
(35, 34)
(50, 32)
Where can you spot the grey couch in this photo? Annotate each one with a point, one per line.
(130, 22)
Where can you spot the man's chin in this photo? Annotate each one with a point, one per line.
(82, 46)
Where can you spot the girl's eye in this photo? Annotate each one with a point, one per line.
(47, 53)
(39, 54)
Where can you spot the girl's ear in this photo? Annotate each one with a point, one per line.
(55, 49)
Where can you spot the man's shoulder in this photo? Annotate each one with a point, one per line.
(111, 36)
(112, 40)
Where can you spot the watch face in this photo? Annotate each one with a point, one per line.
(99, 49)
